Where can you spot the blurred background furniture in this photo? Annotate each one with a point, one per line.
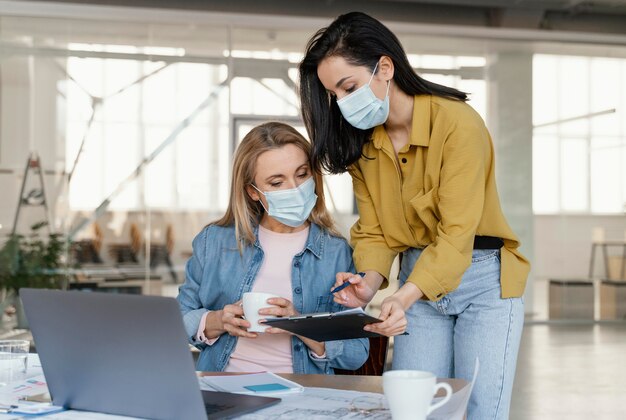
(136, 287)
(127, 252)
(85, 251)
(612, 299)
(160, 253)
(614, 265)
(571, 299)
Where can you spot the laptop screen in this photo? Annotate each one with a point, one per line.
(118, 354)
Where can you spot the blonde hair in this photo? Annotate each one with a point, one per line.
(245, 213)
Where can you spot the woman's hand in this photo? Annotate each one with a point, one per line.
(393, 311)
(394, 319)
(282, 307)
(232, 321)
(361, 291)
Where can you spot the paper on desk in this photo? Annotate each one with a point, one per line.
(336, 404)
(33, 383)
(25, 388)
(264, 383)
(456, 407)
(323, 403)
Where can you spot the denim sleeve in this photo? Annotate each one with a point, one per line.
(188, 294)
(343, 354)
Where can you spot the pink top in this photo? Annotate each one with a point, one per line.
(268, 352)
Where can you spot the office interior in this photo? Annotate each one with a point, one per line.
(118, 121)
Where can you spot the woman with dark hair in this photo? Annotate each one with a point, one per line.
(423, 173)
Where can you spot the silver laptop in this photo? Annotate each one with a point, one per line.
(122, 354)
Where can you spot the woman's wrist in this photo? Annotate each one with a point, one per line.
(317, 347)
(408, 294)
(213, 326)
(374, 279)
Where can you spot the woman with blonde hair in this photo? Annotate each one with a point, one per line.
(275, 237)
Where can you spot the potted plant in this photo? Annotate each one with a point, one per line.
(31, 261)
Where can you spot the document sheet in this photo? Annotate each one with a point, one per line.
(264, 383)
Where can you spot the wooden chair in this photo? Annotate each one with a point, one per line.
(160, 252)
(127, 252)
(375, 363)
(87, 251)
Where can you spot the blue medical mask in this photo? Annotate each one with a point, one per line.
(362, 109)
(291, 207)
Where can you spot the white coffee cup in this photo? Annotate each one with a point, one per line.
(410, 393)
(252, 302)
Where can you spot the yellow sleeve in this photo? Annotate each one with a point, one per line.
(466, 160)
(366, 236)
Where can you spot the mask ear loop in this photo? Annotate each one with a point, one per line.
(254, 186)
(260, 201)
(372, 77)
(373, 73)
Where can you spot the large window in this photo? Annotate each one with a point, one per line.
(465, 73)
(579, 142)
(137, 106)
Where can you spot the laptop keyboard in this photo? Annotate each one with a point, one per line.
(216, 408)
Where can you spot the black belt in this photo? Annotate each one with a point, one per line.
(487, 242)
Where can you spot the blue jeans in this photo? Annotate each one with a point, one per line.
(471, 322)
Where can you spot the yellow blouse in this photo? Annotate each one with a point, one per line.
(437, 194)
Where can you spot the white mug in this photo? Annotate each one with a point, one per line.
(410, 393)
(252, 302)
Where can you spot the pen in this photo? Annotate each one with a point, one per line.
(344, 285)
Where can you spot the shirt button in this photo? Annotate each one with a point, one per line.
(296, 264)
(297, 290)
(297, 347)
(403, 160)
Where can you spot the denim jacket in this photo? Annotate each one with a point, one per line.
(217, 274)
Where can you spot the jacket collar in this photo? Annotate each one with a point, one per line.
(315, 241)
(420, 129)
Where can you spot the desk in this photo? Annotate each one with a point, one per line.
(346, 382)
(341, 382)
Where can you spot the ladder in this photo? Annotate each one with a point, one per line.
(35, 197)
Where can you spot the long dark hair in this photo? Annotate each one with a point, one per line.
(361, 40)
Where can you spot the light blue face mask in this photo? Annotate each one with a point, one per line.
(362, 109)
(291, 207)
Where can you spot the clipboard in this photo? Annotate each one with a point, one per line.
(327, 326)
